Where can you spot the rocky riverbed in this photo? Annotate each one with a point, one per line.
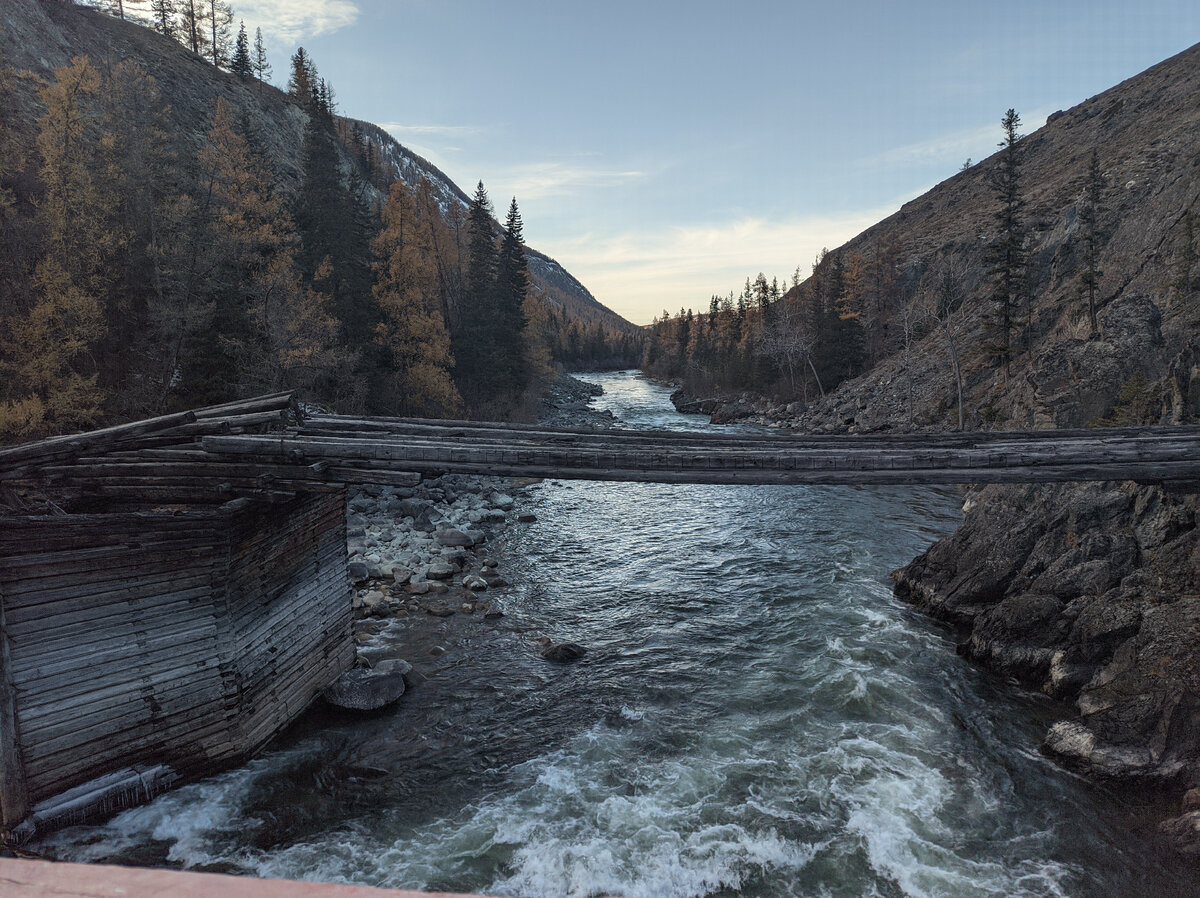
(423, 576)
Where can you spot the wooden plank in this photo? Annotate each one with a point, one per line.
(14, 793)
(86, 598)
(77, 444)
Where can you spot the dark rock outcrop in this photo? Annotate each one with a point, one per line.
(1091, 593)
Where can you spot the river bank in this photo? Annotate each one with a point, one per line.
(425, 579)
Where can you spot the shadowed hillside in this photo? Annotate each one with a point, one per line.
(175, 225)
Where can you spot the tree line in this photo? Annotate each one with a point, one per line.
(860, 306)
(143, 274)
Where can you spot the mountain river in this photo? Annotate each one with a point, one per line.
(756, 715)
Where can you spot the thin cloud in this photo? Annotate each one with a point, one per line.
(295, 20)
(544, 179)
(400, 132)
(639, 274)
(977, 142)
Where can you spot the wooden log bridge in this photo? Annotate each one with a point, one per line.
(173, 592)
(378, 447)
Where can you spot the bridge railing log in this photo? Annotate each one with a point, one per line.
(176, 427)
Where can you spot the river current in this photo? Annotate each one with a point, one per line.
(756, 715)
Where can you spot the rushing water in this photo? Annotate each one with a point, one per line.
(756, 715)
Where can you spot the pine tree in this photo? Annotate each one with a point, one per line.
(1007, 255)
(262, 67)
(1089, 219)
(512, 290)
(240, 64)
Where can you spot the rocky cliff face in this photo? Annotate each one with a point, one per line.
(1090, 593)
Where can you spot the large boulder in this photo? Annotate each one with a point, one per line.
(368, 690)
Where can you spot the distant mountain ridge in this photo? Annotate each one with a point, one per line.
(36, 36)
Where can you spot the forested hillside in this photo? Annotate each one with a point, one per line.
(176, 231)
(1052, 284)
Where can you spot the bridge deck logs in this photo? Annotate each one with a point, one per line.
(366, 446)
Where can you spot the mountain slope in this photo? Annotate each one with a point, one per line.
(1146, 132)
(37, 36)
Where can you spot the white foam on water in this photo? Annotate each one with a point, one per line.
(907, 816)
(665, 864)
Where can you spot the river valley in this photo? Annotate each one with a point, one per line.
(756, 715)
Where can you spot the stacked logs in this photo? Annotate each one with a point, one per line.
(367, 448)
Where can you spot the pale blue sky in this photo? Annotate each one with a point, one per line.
(664, 151)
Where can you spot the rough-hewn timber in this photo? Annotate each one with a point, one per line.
(382, 445)
(176, 639)
(160, 617)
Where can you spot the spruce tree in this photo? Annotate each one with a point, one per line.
(333, 224)
(473, 340)
(240, 63)
(512, 289)
(262, 67)
(302, 82)
(1006, 257)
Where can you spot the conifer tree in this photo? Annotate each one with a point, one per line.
(241, 232)
(220, 22)
(136, 164)
(474, 337)
(50, 381)
(512, 291)
(302, 82)
(240, 63)
(1006, 256)
(163, 13)
(262, 66)
(193, 17)
(413, 331)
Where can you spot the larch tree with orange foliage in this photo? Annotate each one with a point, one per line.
(413, 331)
(50, 376)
